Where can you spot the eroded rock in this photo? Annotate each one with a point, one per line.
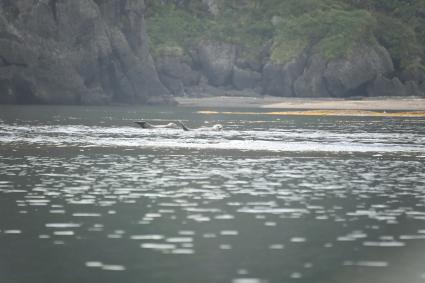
(175, 73)
(279, 79)
(245, 79)
(217, 61)
(362, 65)
(80, 51)
(345, 76)
(383, 86)
(312, 83)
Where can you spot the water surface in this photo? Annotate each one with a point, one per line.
(86, 196)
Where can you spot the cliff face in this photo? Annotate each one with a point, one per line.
(76, 52)
(320, 48)
(99, 51)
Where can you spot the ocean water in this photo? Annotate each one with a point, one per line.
(87, 196)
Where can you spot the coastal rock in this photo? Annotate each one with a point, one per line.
(80, 51)
(178, 68)
(278, 79)
(175, 86)
(413, 89)
(217, 61)
(245, 79)
(383, 86)
(312, 83)
(253, 63)
(345, 76)
(414, 72)
(16, 53)
(363, 65)
(414, 78)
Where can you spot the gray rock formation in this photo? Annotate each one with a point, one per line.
(245, 79)
(413, 73)
(363, 65)
(175, 86)
(413, 89)
(278, 79)
(217, 61)
(175, 73)
(311, 83)
(79, 51)
(383, 86)
(343, 76)
(414, 78)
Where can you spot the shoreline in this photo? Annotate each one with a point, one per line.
(289, 103)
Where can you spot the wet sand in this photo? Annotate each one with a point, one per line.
(270, 102)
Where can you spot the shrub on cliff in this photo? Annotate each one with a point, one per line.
(333, 32)
(278, 31)
(170, 27)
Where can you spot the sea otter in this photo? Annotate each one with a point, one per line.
(176, 125)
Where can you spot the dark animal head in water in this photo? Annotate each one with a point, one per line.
(179, 123)
(143, 124)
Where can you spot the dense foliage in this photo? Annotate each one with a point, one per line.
(331, 27)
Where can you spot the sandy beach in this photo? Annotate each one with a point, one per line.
(270, 102)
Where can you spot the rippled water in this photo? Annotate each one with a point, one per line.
(86, 196)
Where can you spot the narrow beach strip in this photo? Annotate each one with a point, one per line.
(349, 113)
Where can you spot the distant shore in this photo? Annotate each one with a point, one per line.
(271, 102)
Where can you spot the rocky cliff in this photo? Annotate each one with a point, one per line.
(144, 51)
(76, 52)
(286, 48)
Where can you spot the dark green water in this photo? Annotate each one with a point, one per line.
(85, 196)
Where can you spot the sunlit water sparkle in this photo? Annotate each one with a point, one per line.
(85, 196)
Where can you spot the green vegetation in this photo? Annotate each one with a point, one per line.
(333, 32)
(400, 40)
(400, 28)
(331, 27)
(243, 27)
(284, 50)
(172, 29)
(170, 26)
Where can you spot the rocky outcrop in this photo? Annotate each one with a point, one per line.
(364, 71)
(97, 51)
(414, 79)
(176, 73)
(217, 60)
(311, 83)
(383, 86)
(278, 79)
(365, 63)
(312, 75)
(245, 79)
(345, 76)
(414, 89)
(79, 51)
